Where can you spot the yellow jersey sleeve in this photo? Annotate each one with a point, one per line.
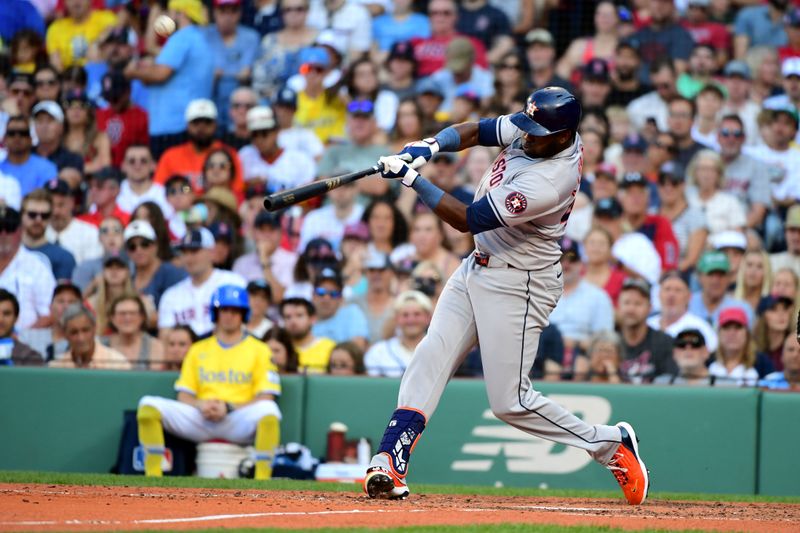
(188, 380)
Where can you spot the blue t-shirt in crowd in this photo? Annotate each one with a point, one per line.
(348, 322)
(61, 261)
(165, 277)
(31, 174)
(387, 31)
(94, 78)
(186, 53)
(697, 307)
(230, 58)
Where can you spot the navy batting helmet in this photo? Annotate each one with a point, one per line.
(547, 111)
(230, 296)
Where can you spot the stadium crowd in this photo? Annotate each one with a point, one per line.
(133, 168)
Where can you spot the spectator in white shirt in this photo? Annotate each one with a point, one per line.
(329, 221)
(138, 186)
(291, 137)
(23, 274)
(674, 295)
(390, 358)
(79, 238)
(265, 160)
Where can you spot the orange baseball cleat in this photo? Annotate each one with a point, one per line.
(628, 467)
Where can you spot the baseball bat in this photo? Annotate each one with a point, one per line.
(289, 197)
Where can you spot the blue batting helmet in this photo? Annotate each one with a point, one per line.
(548, 111)
(230, 296)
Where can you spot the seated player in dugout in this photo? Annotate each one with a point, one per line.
(226, 390)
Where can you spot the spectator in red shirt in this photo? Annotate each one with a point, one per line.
(635, 199)
(705, 31)
(430, 52)
(124, 123)
(187, 159)
(791, 22)
(103, 191)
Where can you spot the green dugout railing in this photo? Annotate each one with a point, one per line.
(694, 439)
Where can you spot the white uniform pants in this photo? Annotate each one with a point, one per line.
(505, 310)
(185, 421)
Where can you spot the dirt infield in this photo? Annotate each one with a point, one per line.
(31, 507)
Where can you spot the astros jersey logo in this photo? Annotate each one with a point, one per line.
(531, 108)
(516, 203)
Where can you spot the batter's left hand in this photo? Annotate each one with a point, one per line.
(395, 168)
(418, 153)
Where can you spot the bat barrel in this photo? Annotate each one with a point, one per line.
(283, 199)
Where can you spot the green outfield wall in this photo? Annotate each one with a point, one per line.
(694, 439)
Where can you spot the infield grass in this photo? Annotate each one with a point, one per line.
(60, 478)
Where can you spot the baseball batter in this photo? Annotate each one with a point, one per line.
(226, 390)
(503, 294)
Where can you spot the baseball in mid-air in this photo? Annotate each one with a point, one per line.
(164, 26)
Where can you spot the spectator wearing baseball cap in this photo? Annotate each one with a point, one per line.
(30, 170)
(186, 302)
(234, 48)
(48, 121)
(690, 353)
(540, 51)
(688, 222)
(291, 136)
(461, 69)
(401, 66)
(595, 86)
(774, 323)
(789, 378)
(738, 82)
(259, 293)
(791, 257)
(188, 158)
(733, 244)
(734, 361)
(104, 187)
(635, 200)
(50, 340)
(182, 72)
(316, 109)
(78, 237)
(608, 215)
(376, 301)
(647, 352)
(129, 121)
(714, 276)
(151, 276)
(265, 160)
(634, 150)
(269, 261)
(342, 322)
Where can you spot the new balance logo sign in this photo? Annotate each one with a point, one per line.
(524, 454)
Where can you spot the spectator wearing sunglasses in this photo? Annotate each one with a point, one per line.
(689, 223)
(691, 354)
(111, 240)
(242, 100)
(20, 89)
(318, 107)
(37, 207)
(745, 177)
(31, 171)
(336, 319)
(138, 186)
(24, 274)
(151, 276)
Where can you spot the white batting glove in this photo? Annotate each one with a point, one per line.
(418, 153)
(395, 168)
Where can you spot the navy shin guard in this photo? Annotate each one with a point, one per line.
(400, 438)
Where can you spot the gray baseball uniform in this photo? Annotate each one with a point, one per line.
(505, 303)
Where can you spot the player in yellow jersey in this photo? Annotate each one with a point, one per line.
(226, 390)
